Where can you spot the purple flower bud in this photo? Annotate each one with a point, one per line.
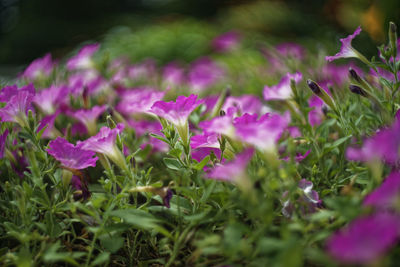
(357, 90)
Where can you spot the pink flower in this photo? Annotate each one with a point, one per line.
(382, 146)
(244, 104)
(316, 114)
(178, 113)
(282, 90)
(226, 42)
(234, 170)
(202, 145)
(346, 50)
(143, 128)
(263, 133)
(3, 140)
(83, 60)
(386, 195)
(138, 100)
(70, 156)
(49, 99)
(88, 117)
(50, 131)
(9, 91)
(104, 143)
(41, 67)
(365, 239)
(203, 74)
(17, 108)
(173, 74)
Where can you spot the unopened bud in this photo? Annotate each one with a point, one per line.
(314, 87)
(354, 75)
(110, 122)
(357, 90)
(222, 113)
(393, 38)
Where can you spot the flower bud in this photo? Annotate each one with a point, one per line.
(393, 38)
(353, 74)
(318, 91)
(357, 90)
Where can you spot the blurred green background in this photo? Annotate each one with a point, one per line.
(167, 30)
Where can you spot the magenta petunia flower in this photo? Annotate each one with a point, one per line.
(88, 117)
(282, 90)
(382, 146)
(70, 156)
(9, 91)
(221, 124)
(91, 81)
(50, 131)
(49, 99)
(291, 50)
(176, 112)
(143, 128)
(3, 140)
(203, 74)
(244, 104)
(202, 145)
(138, 100)
(365, 239)
(386, 195)
(346, 50)
(104, 143)
(226, 42)
(263, 133)
(41, 67)
(17, 108)
(315, 115)
(173, 74)
(235, 170)
(83, 60)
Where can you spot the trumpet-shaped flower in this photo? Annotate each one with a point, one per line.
(202, 145)
(104, 143)
(173, 74)
(383, 146)
(178, 113)
(88, 117)
(41, 67)
(386, 195)
(282, 90)
(203, 74)
(83, 60)
(9, 91)
(17, 108)
(49, 99)
(234, 170)
(263, 133)
(70, 156)
(365, 239)
(346, 50)
(138, 100)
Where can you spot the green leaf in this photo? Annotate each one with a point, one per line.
(112, 243)
(172, 164)
(199, 166)
(102, 258)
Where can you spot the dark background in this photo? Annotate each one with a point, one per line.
(30, 28)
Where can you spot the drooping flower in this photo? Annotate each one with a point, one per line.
(226, 42)
(138, 100)
(365, 239)
(17, 108)
(282, 90)
(346, 50)
(41, 67)
(308, 201)
(83, 60)
(235, 170)
(3, 139)
(104, 142)
(387, 195)
(178, 113)
(71, 156)
(88, 117)
(49, 99)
